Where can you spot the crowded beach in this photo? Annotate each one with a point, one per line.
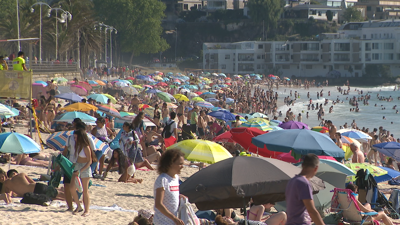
(136, 149)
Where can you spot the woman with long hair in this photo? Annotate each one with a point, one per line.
(125, 167)
(49, 112)
(84, 156)
(166, 188)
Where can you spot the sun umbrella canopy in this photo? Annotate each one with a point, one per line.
(111, 111)
(70, 116)
(333, 172)
(222, 115)
(58, 140)
(391, 149)
(181, 97)
(17, 143)
(232, 182)
(224, 137)
(259, 123)
(243, 136)
(294, 125)
(358, 135)
(259, 115)
(392, 174)
(301, 141)
(13, 110)
(164, 96)
(205, 105)
(6, 111)
(70, 96)
(197, 99)
(78, 89)
(113, 100)
(287, 157)
(98, 98)
(41, 82)
(79, 106)
(202, 151)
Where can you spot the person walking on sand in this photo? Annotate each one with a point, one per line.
(166, 189)
(299, 195)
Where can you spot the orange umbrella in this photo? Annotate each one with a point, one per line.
(100, 82)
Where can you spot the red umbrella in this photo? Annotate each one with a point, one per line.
(130, 78)
(287, 157)
(79, 90)
(85, 85)
(162, 84)
(243, 136)
(199, 92)
(227, 78)
(225, 137)
(271, 75)
(228, 83)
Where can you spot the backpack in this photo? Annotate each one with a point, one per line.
(166, 133)
(36, 199)
(186, 213)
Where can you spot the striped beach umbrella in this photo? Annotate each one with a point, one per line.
(202, 151)
(205, 105)
(259, 123)
(58, 140)
(111, 111)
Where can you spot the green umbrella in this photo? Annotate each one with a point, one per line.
(164, 96)
(172, 86)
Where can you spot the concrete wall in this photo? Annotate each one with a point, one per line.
(45, 76)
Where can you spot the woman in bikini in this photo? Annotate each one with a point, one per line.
(125, 167)
(48, 112)
(256, 213)
(24, 159)
(157, 115)
(82, 170)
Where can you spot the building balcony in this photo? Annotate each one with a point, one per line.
(342, 60)
(246, 60)
(282, 60)
(368, 49)
(310, 60)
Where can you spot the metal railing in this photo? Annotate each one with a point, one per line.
(47, 66)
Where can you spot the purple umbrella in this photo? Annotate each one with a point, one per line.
(293, 125)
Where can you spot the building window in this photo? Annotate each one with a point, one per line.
(389, 46)
(324, 67)
(258, 56)
(375, 45)
(337, 67)
(364, 36)
(368, 8)
(388, 56)
(309, 67)
(185, 6)
(358, 67)
(342, 46)
(285, 67)
(223, 66)
(260, 46)
(227, 56)
(376, 56)
(258, 66)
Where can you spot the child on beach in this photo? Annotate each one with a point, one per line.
(125, 167)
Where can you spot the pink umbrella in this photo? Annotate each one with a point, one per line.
(85, 85)
(148, 86)
(293, 125)
(287, 157)
(37, 88)
(79, 89)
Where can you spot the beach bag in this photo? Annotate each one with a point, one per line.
(134, 152)
(36, 199)
(166, 133)
(186, 213)
(78, 185)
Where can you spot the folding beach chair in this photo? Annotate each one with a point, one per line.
(344, 202)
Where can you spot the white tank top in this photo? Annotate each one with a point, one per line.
(101, 132)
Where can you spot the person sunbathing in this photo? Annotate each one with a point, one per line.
(24, 159)
(125, 167)
(21, 184)
(256, 213)
(367, 207)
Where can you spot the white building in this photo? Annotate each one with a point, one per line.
(344, 54)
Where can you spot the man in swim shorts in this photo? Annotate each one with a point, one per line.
(332, 130)
(21, 184)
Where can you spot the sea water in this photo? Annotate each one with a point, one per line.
(368, 116)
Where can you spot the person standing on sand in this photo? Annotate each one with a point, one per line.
(166, 189)
(332, 130)
(358, 156)
(299, 195)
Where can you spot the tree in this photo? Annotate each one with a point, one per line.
(352, 14)
(329, 15)
(267, 11)
(138, 23)
(375, 70)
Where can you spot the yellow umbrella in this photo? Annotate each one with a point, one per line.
(202, 151)
(137, 86)
(83, 107)
(100, 82)
(198, 99)
(181, 97)
(157, 78)
(374, 170)
(113, 100)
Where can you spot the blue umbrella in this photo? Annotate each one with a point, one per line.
(356, 135)
(275, 122)
(391, 149)
(222, 115)
(14, 110)
(301, 141)
(141, 77)
(70, 116)
(70, 96)
(99, 98)
(216, 108)
(207, 94)
(153, 91)
(230, 100)
(211, 100)
(41, 82)
(205, 105)
(17, 143)
(390, 175)
(58, 141)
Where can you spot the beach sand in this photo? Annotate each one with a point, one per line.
(129, 197)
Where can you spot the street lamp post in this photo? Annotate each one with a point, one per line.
(65, 16)
(115, 31)
(18, 27)
(111, 29)
(176, 40)
(40, 35)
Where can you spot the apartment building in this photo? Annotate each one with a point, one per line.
(380, 9)
(344, 54)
